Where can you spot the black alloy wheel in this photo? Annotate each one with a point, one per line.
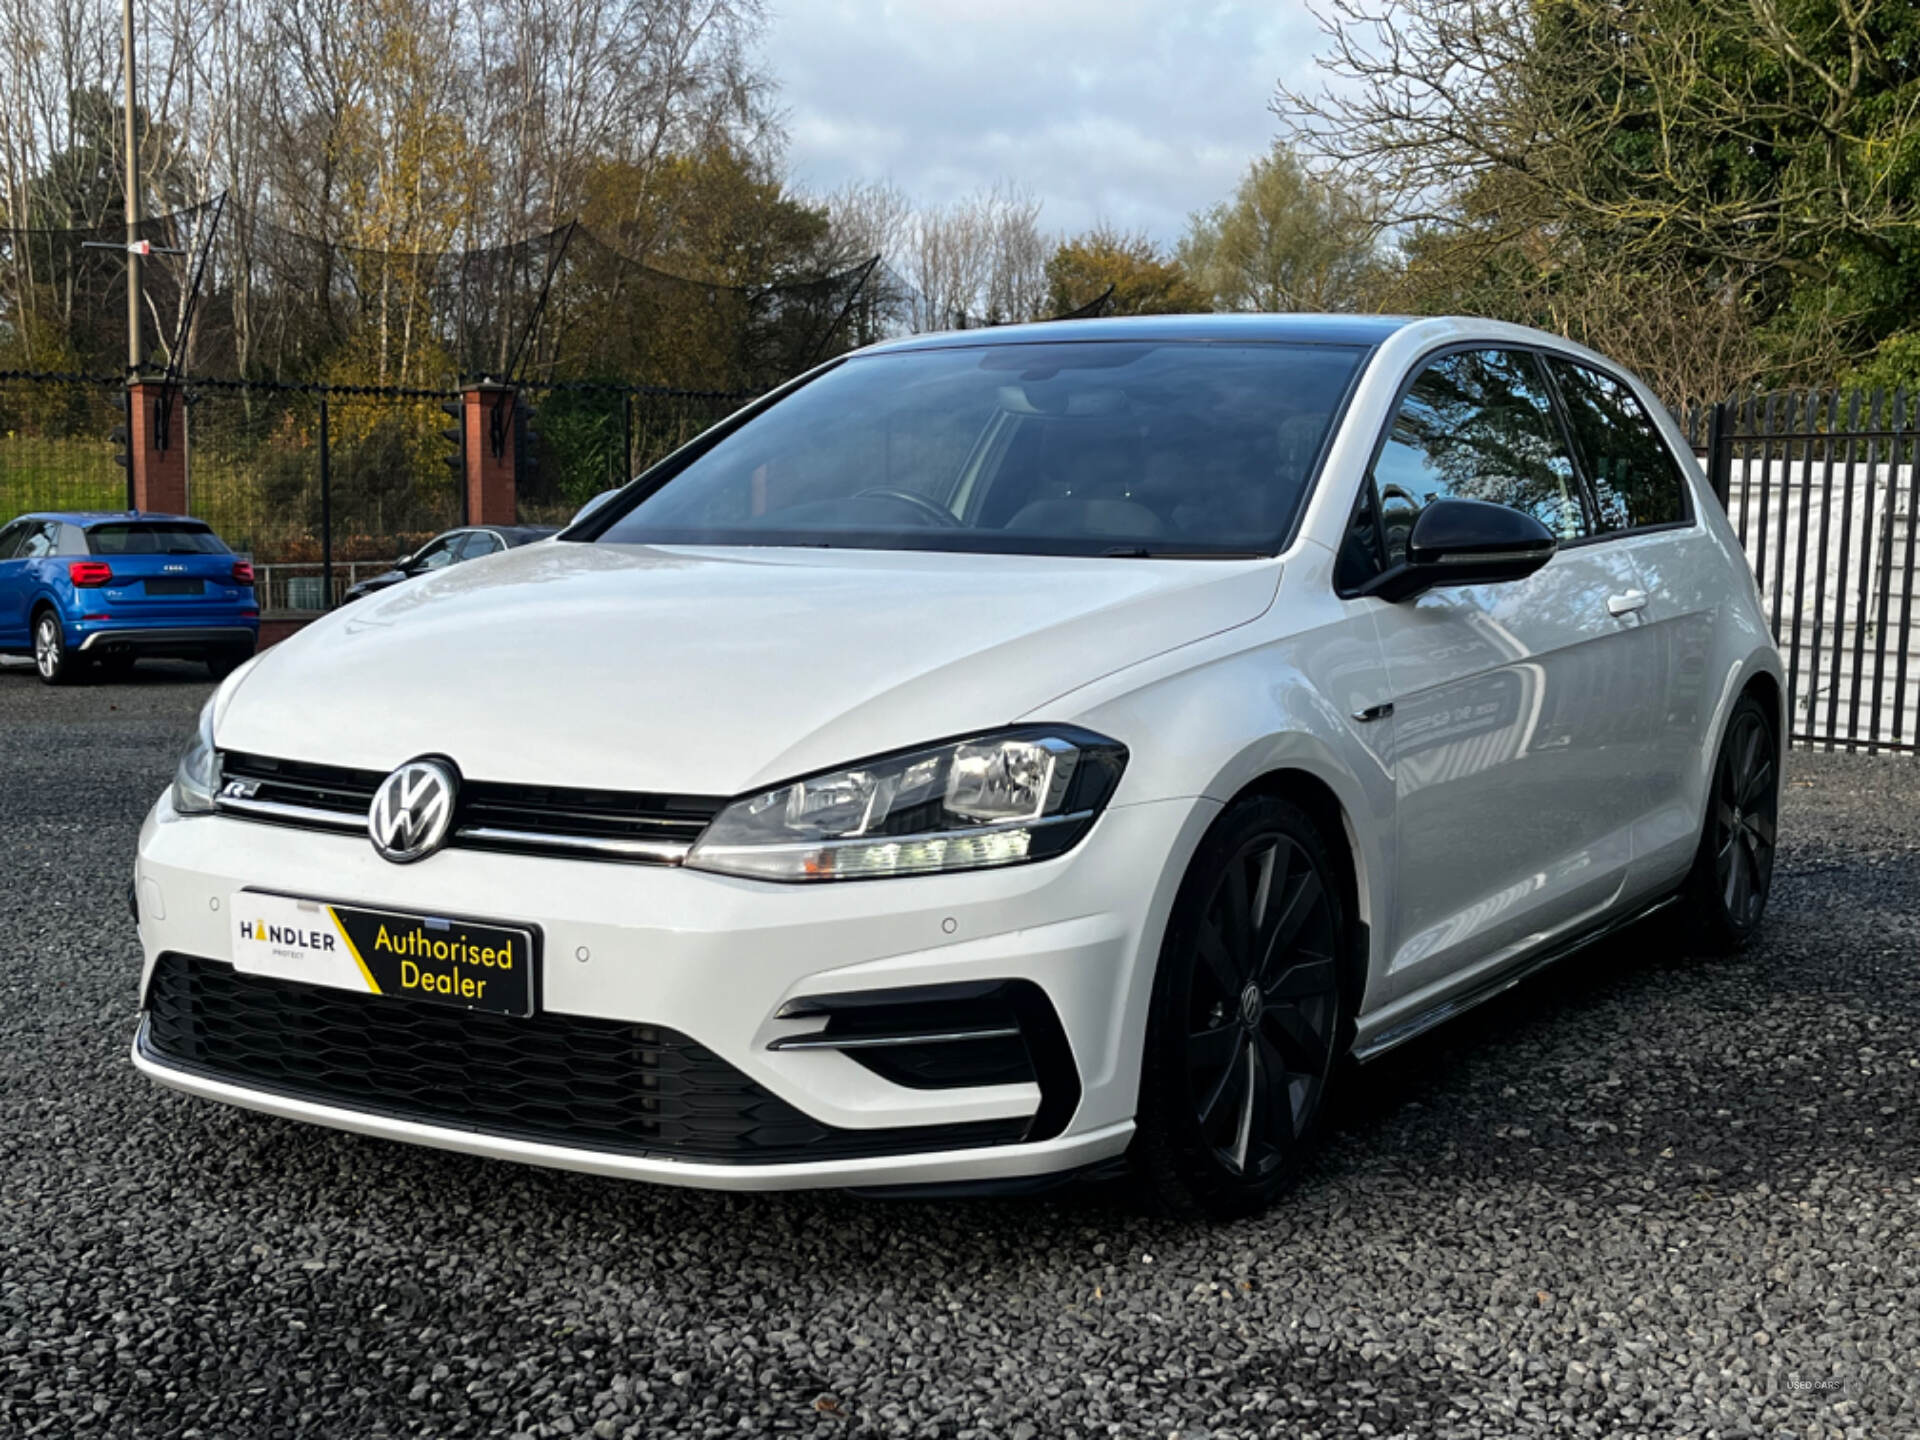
(1726, 894)
(1248, 1016)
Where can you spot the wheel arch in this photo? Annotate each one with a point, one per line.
(1759, 673)
(1313, 795)
(46, 603)
(1764, 685)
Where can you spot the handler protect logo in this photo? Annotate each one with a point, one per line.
(412, 811)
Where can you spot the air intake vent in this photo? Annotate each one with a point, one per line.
(943, 1037)
(569, 1080)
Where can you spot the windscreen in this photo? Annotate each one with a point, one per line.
(1075, 448)
(153, 537)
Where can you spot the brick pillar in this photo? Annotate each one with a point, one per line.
(490, 448)
(157, 435)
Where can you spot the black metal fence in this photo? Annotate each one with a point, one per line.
(1823, 489)
(57, 450)
(582, 438)
(321, 485)
(318, 484)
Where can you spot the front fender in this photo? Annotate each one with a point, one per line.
(1219, 716)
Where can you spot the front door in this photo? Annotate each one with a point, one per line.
(1524, 713)
(1644, 507)
(15, 584)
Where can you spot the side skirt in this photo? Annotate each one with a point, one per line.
(1504, 981)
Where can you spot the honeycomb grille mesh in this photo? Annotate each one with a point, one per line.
(562, 1079)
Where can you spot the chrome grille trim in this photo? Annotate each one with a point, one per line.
(622, 827)
(819, 1041)
(606, 847)
(302, 815)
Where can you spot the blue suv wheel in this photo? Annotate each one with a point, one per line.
(51, 657)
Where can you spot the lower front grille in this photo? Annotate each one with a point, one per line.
(561, 1079)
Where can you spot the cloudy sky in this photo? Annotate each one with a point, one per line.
(1124, 110)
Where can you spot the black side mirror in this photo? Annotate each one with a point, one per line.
(1466, 542)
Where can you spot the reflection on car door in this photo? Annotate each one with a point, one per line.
(1644, 506)
(30, 541)
(1522, 729)
(13, 587)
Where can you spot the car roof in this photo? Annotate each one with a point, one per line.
(86, 519)
(1297, 329)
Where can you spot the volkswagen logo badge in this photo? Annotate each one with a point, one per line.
(413, 810)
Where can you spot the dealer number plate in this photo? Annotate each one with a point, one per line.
(384, 952)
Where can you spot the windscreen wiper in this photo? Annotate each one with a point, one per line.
(1142, 552)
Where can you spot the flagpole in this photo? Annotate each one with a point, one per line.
(134, 357)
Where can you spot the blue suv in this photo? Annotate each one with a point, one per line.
(104, 588)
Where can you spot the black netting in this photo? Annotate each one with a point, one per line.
(618, 363)
(274, 304)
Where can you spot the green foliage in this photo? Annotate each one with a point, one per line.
(1142, 281)
(580, 449)
(1649, 170)
(1287, 240)
(1895, 365)
(54, 451)
(713, 215)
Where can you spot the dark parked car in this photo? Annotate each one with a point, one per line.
(81, 588)
(469, 542)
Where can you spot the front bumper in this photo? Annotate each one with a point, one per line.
(998, 1162)
(715, 959)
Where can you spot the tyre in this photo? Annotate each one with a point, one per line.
(1248, 1016)
(1725, 894)
(55, 663)
(222, 663)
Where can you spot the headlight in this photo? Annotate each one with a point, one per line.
(197, 777)
(1020, 795)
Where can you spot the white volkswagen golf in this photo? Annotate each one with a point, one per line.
(991, 757)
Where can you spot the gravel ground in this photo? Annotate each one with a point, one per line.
(1638, 1196)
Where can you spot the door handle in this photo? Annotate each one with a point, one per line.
(1632, 600)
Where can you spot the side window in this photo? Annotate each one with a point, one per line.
(440, 554)
(10, 538)
(477, 543)
(1477, 425)
(1635, 478)
(72, 540)
(39, 542)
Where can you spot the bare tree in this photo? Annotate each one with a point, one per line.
(1743, 148)
(865, 220)
(979, 261)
